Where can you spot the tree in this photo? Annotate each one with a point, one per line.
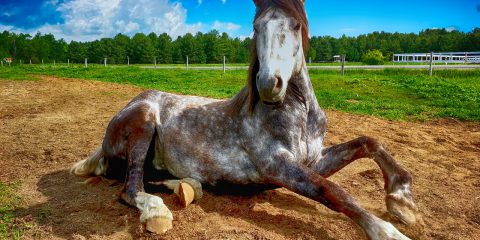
(77, 52)
(187, 46)
(141, 49)
(373, 57)
(312, 54)
(43, 47)
(243, 55)
(121, 48)
(324, 49)
(210, 46)
(177, 53)
(24, 47)
(164, 47)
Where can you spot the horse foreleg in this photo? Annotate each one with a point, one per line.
(398, 181)
(302, 180)
(152, 208)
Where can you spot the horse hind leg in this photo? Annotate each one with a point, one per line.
(398, 181)
(153, 210)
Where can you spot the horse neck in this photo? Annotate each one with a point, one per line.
(302, 81)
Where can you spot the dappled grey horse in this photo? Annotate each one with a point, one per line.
(270, 133)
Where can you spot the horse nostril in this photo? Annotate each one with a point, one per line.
(278, 84)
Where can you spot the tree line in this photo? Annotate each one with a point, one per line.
(212, 46)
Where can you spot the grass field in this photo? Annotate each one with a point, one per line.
(8, 202)
(396, 94)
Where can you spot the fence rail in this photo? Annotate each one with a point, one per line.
(432, 60)
(366, 67)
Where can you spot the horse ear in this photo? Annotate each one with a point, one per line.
(257, 2)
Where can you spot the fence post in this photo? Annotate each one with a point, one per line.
(466, 57)
(30, 61)
(86, 63)
(343, 65)
(128, 60)
(430, 71)
(187, 63)
(105, 62)
(155, 61)
(224, 66)
(42, 61)
(54, 62)
(2, 62)
(68, 62)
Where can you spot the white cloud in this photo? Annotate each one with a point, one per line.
(224, 1)
(225, 26)
(448, 29)
(6, 28)
(242, 37)
(451, 29)
(93, 19)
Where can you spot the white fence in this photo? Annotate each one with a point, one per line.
(446, 57)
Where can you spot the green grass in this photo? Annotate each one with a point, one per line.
(400, 94)
(8, 202)
(395, 94)
(14, 73)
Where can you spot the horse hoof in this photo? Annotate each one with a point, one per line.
(186, 194)
(187, 190)
(154, 211)
(158, 225)
(381, 230)
(402, 208)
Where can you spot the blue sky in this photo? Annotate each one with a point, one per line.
(92, 19)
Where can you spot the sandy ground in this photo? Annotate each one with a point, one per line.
(47, 125)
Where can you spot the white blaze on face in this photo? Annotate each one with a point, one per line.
(279, 48)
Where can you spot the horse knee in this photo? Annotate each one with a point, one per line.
(370, 144)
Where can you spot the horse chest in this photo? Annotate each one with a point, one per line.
(280, 131)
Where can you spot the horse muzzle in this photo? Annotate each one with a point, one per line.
(270, 88)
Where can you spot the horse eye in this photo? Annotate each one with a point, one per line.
(297, 27)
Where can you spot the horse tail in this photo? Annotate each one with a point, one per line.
(93, 165)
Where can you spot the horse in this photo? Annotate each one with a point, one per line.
(270, 134)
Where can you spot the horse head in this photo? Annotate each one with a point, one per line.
(281, 39)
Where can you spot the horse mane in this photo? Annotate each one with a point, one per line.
(249, 95)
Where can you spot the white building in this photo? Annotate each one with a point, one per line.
(447, 57)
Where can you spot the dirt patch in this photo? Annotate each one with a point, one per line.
(49, 124)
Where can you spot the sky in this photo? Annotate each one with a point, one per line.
(85, 20)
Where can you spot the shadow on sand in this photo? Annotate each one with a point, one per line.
(74, 209)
